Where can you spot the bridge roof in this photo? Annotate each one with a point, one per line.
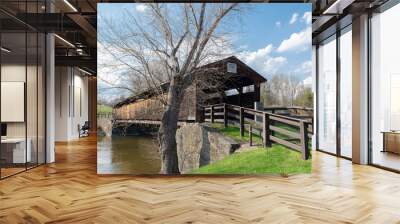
(243, 70)
(244, 76)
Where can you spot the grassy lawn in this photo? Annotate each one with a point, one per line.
(274, 160)
(234, 132)
(103, 109)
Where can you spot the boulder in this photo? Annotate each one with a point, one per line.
(199, 145)
(220, 146)
(104, 127)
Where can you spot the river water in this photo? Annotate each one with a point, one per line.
(127, 155)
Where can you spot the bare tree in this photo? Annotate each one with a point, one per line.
(281, 90)
(292, 88)
(168, 44)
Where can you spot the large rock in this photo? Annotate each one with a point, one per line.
(104, 127)
(199, 145)
(220, 146)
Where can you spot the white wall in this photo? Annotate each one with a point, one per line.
(12, 73)
(79, 112)
(33, 125)
(71, 94)
(62, 81)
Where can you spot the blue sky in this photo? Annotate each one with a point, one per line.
(271, 24)
(272, 38)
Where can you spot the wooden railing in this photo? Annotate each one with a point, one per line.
(303, 113)
(291, 132)
(104, 115)
(293, 111)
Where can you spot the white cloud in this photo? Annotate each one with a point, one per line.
(253, 56)
(294, 18)
(273, 64)
(297, 41)
(243, 47)
(278, 24)
(307, 17)
(305, 68)
(261, 60)
(308, 81)
(141, 7)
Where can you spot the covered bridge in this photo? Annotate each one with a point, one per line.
(225, 81)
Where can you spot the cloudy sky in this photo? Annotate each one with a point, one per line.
(277, 39)
(271, 38)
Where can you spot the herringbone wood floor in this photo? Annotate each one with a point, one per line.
(69, 191)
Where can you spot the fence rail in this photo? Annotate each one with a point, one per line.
(291, 132)
(104, 115)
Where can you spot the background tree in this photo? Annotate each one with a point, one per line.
(304, 97)
(167, 44)
(284, 90)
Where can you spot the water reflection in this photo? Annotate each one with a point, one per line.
(127, 155)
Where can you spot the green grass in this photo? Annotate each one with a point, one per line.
(103, 109)
(234, 133)
(274, 160)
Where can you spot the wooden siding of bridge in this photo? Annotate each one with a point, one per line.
(151, 109)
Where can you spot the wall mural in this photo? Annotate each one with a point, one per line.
(178, 84)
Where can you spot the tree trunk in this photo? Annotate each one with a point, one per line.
(167, 131)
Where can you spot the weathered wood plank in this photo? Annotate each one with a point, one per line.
(304, 140)
(152, 108)
(266, 131)
(253, 112)
(225, 116)
(233, 116)
(285, 132)
(284, 120)
(218, 113)
(285, 143)
(218, 107)
(241, 114)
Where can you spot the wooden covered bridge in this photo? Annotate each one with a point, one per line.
(225, 81)
(231, 102)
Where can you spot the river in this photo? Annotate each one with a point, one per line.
(127, 155)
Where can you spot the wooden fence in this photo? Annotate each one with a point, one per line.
(293, 111)
(291, 132)
(104, 115)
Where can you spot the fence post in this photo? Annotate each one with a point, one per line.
(250, 135)
(266, 130)
(272, 123)
(201, 114)
(225, 116)
(312, 125)
(305, 152)
(212, 114)
(241, 120)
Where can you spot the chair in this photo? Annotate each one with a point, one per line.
(84, 130)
